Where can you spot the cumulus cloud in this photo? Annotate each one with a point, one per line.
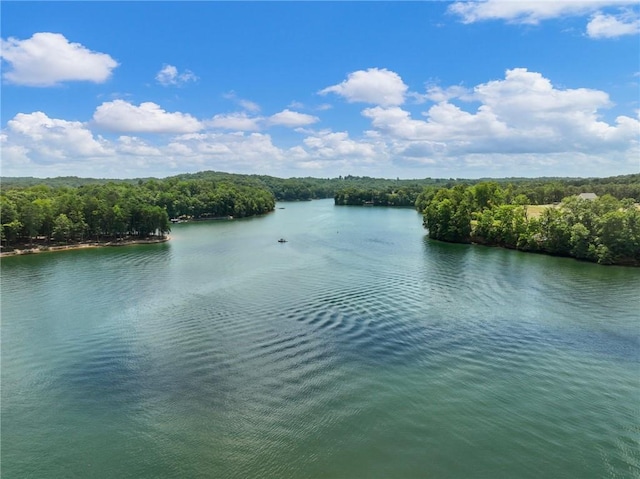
(624, 21)
(522, 113)
(526, 91)
(131, 145)
(529, 11)
(237, 151)
(325, 152)
(438, 94)
(236, 121)
(51, 138)
(326, 144)
(47, 59)
(122, 116)
(35, 144)
(520, 123)
(292, 119)
(610, 26)
(375, 85)
(240, 121)
(169, 76)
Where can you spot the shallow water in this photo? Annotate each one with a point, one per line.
(359, 348)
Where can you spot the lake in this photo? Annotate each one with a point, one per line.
(358, 349)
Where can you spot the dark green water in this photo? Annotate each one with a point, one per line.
(359, 349)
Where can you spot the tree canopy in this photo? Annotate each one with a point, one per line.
(98, 211)
(604, 230)
(495, 211)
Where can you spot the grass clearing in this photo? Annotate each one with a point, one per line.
(535, 211)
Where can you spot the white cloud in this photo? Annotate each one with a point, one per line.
(36, 145)
(169, 75)
(528, 92)
(236, 121)
(249, 105)
(51, 139)
(520, 124)
(377, 86)
(438, 94)
(47, 59)
(529, 11)
(521, 114)
(245, 104)
(292, 119)
(446, 123)
(396, 123)
(324, 107)
(235, 152)
(130, 145)
(122, 116)
(179, 149)
(242, 122)
(13, 155)
(326, 144)
(326, 152)
(611, 26)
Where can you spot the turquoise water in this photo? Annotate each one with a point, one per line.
(358, 349)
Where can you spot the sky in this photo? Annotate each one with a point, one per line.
(293, 89)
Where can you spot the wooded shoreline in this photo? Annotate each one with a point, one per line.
(593, 219)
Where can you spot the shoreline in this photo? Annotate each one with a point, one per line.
(476, 241)
(69, 247)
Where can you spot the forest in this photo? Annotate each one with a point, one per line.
(417, 193)
(100, 212)
(602, 229)
(282, 189)
(500, 212)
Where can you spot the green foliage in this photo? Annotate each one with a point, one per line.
(605, 230)
(385, 195)
(448, 215)
(115, 209)
(580, 241)
(62, 227)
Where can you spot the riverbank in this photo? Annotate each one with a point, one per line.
(35, 249)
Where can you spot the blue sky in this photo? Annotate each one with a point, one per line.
(383, 89)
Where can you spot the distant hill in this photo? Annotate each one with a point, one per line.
(57, 182)
(306, 188)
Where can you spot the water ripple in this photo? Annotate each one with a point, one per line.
(371, 352)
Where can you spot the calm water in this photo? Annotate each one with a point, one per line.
(359, 349)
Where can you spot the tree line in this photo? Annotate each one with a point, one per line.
(308, 188)
(386, 196)
(102, 211)
(69, 209)
(605, 230)
(360, 188)
(378, 192)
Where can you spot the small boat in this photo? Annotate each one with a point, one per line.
(282, 240)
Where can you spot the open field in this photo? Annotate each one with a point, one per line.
(535, 211)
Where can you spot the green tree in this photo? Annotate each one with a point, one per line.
(62, 228)
(580, 241)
